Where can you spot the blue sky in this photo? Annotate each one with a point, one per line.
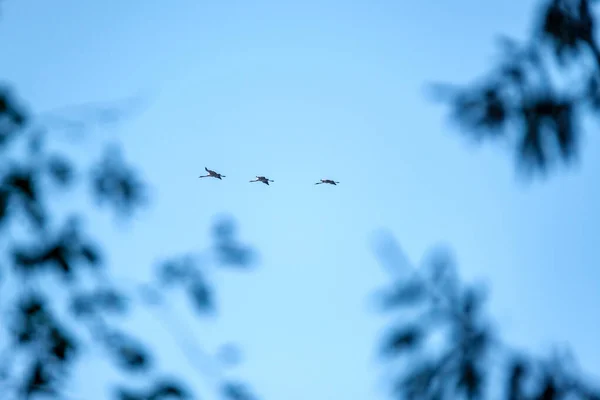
(300, 91)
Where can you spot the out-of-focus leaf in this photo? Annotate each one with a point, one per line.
(418, 383)
(234, 255)
(30, 313)
(60, 170)
(548, 389)
(175, 271)
(224, 229)
(161, 390)
(201, 295)
(168, 390)
(482, 110)
(133, 358)
(472, 302)
(62, 346)
(402, 339)
(111, 300)
(129, 354)
(404, 294)
(568, 26)
(117, 184)
(58, 256)
(22, 182)
(549, 125)
(36, 214)
(470, 379)
(12, 117)
(102, 299)
(82, 305)
(236, 391)
(39, 380)
(91, 255)
(228, 250)
(24, 261)
(127, 394)
(517, 374)
(36, 142)
(4, 203)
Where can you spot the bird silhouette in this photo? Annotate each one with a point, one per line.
(262, 179)
(329, 181)
(212, 174)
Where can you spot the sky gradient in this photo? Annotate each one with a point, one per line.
(299, 91)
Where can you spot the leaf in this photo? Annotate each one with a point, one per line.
(403, 339)
(175, 271)
(127, 394)
(225, 229)
(39, 380)
(60, 170)
(82, 305)
(91, 255)
(168, 389)
(57, 255)
(517, 372)
(31, 312)
(133, 358)
(24, 261)
(4, 204)
(470, 379)
(201, 295)
(117, 184)
(111, 300)
(62, 347)
(236, 391)
(129, 354)
(234, 255)
(404, 294)
(418, 381)
(548, 389)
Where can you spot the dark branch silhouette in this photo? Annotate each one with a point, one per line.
(446, 347)
(43, 341)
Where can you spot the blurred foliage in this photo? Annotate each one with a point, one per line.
(45, 320)
(55, 285)
(442, 344)
(536, 97)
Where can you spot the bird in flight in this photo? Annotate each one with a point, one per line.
(212, 173)
(329, 181)
(262, 179)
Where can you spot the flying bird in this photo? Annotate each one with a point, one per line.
(329, 181)
(212, 174)
(262, 179)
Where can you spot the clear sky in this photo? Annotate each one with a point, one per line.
(298, 91)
